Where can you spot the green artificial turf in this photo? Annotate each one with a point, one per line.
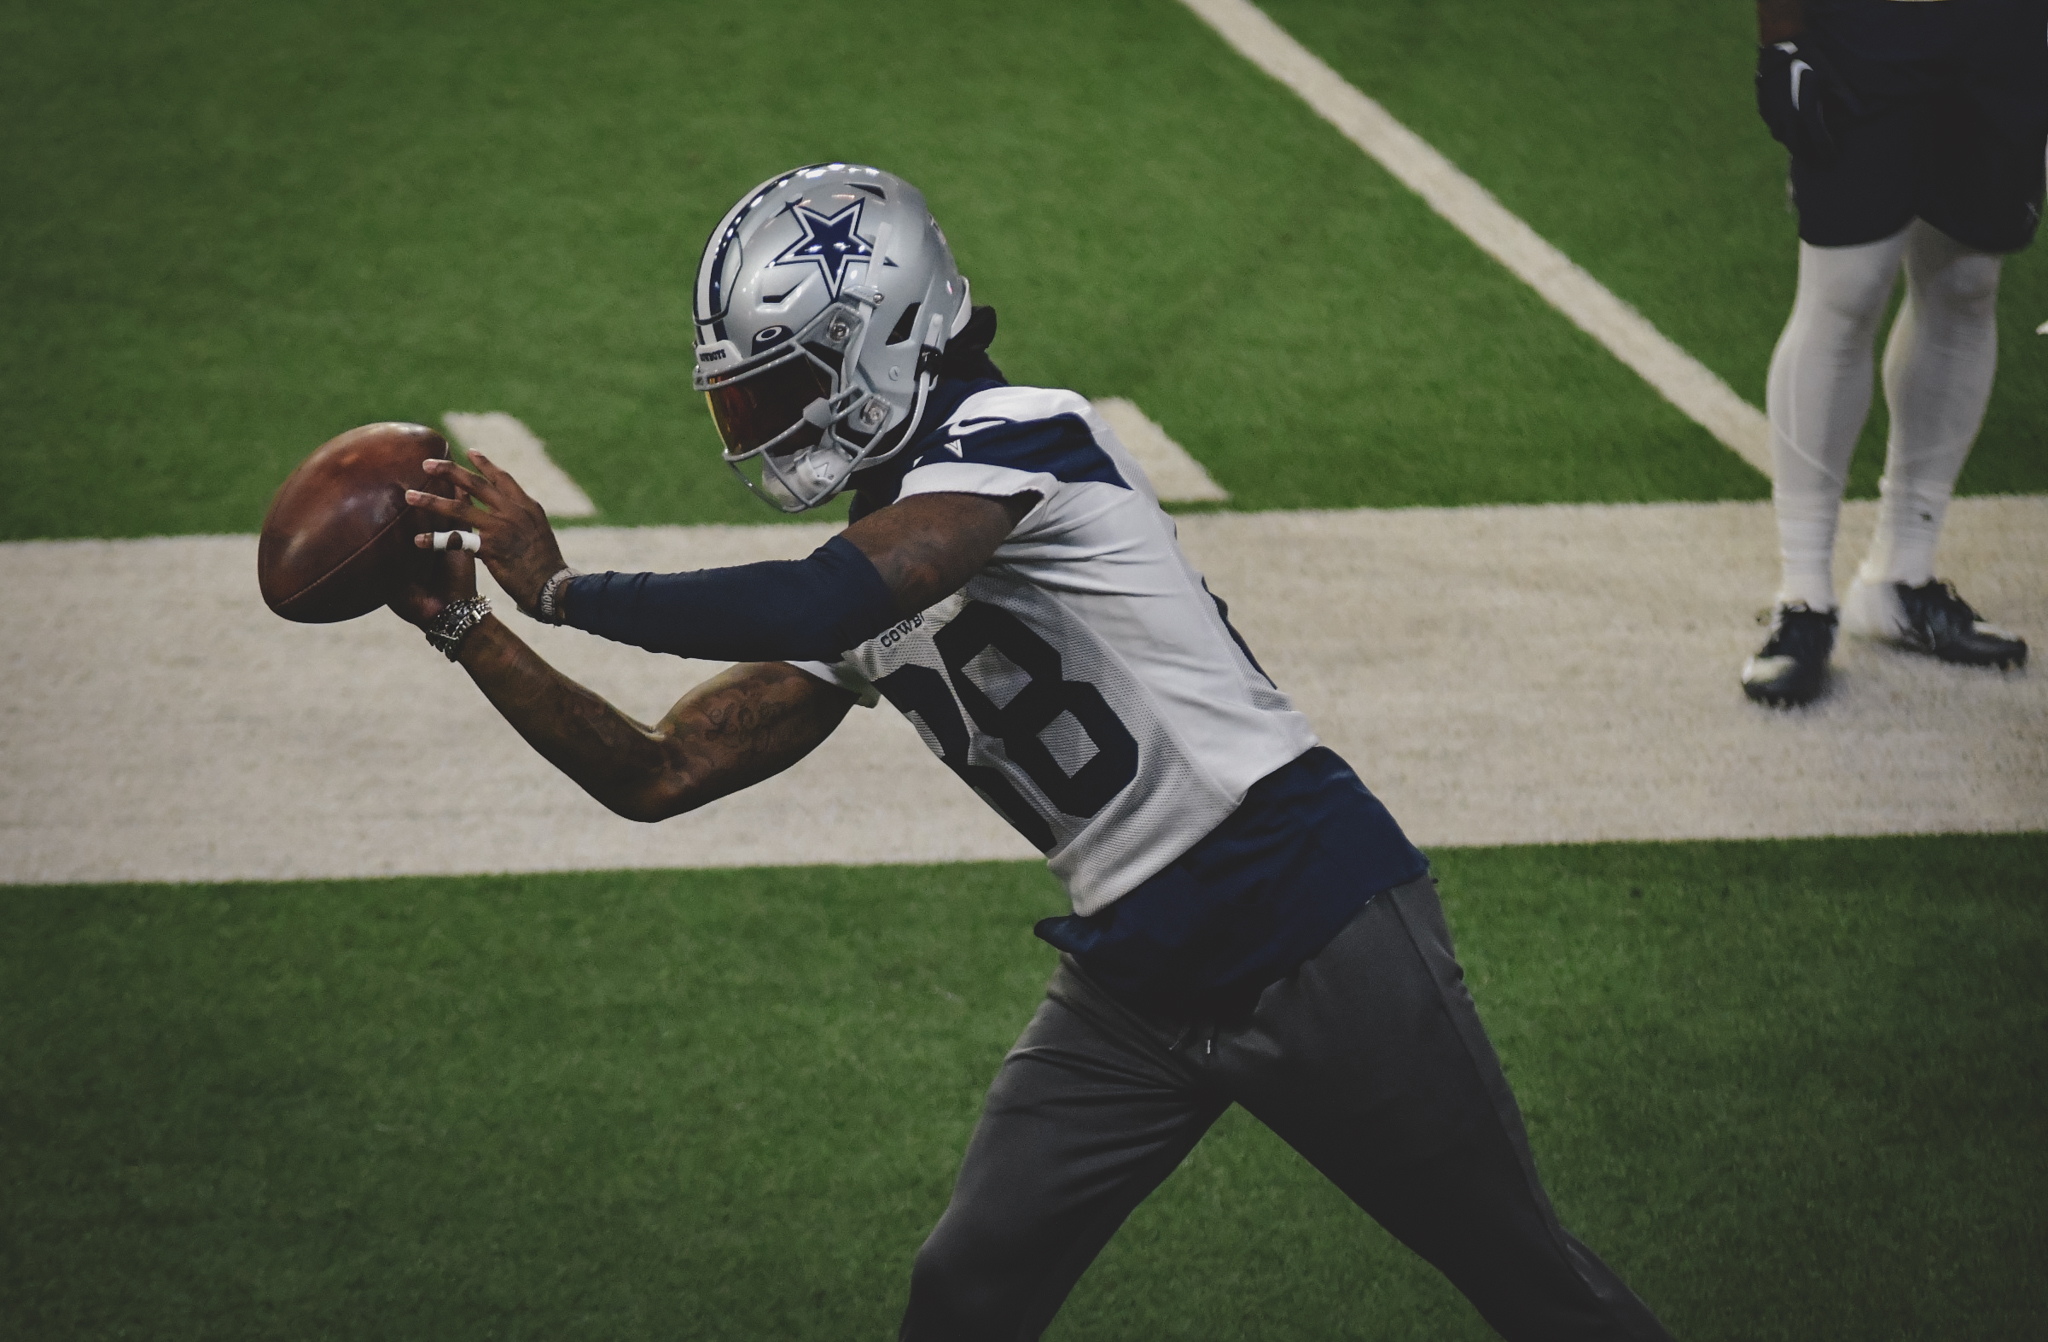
(233, 229)
(1788, 1089)
(1625, 132)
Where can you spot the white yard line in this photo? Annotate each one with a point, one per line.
(1676, 375)
(1498, 675)
(1176, 476)
(513, 446)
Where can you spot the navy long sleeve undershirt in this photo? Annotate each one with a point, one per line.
(787, 610)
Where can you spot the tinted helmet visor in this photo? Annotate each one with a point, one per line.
(754, 410)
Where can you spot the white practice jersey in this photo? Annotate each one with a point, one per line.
(1084, 682)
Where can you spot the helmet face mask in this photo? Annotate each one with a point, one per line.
(811, 372)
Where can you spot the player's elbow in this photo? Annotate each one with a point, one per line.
(653, 791)
(655, 801)
(637, 808)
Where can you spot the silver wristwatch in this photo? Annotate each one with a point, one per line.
(547, 607)
(455, 623)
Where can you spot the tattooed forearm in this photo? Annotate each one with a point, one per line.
(740, 727)
(750, 723)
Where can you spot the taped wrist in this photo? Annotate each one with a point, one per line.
(786, 610)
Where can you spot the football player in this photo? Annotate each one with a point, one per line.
(1248, 922)
(1916, 130)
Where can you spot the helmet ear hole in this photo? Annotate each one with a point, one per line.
(904, 325)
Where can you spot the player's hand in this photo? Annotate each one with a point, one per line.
(516, 542)
(1800, 99)
(447, 577)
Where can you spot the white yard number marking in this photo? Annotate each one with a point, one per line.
(512, 445)
(1176, 477)
(1628, 335)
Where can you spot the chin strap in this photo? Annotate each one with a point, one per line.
(935, 360)
(929, 357)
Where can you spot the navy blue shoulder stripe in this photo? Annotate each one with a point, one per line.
(1061, 447)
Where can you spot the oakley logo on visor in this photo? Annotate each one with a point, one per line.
(768, 337)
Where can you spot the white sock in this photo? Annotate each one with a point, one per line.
(1818, 397)
(1806, 546)
(1938, 367)
(1909, 517)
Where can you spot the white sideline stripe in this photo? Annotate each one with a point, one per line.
(1497, 675)
(512, 445)
(1176, 477)
(1472, 209)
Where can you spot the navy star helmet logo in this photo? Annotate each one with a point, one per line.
(829, 243)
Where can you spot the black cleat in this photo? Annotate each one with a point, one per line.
(1793, 664)
(1933, 619)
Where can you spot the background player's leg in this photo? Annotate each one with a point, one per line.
(1370, 1060)
(1938, 367)
(1817, 398)
(1088, 1114)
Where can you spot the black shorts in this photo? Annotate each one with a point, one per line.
(1946, 120)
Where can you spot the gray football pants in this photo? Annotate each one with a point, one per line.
(1369, 1060)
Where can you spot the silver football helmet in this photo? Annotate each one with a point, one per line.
(823, 302)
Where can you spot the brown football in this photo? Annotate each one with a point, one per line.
(337, 540)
